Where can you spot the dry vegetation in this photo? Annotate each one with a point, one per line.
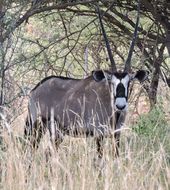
(143, 162)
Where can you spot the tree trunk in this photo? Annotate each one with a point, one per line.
(2, 73)
(154, 86)
(155, 77)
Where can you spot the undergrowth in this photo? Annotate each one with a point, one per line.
(144, 161)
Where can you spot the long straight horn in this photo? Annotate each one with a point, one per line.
(113, 65)
(128, 61)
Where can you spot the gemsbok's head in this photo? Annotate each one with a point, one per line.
(120, 80)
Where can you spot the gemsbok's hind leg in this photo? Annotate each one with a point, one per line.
(100, 161)
(56, 136)
(100, 144)
(33, 132)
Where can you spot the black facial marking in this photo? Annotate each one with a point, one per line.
(120, 75)
(120, 90)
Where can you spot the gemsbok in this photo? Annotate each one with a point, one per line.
(95, 106)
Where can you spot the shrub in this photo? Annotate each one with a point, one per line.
(152, 123)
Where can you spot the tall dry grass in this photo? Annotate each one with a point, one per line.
(143, 164)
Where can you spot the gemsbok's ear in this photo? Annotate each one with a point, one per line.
(141, 75)
(100, 75)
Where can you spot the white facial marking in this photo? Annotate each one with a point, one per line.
(115, 82)
(125, 81)
(121, 103)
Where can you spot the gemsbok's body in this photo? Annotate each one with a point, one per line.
(86, 107)
(95, 106)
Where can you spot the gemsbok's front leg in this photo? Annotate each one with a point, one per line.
(100, 144)
(99, 161)
(116, 144)
(119, 121)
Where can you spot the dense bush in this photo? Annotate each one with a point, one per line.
(152, 130)
(152, 123)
